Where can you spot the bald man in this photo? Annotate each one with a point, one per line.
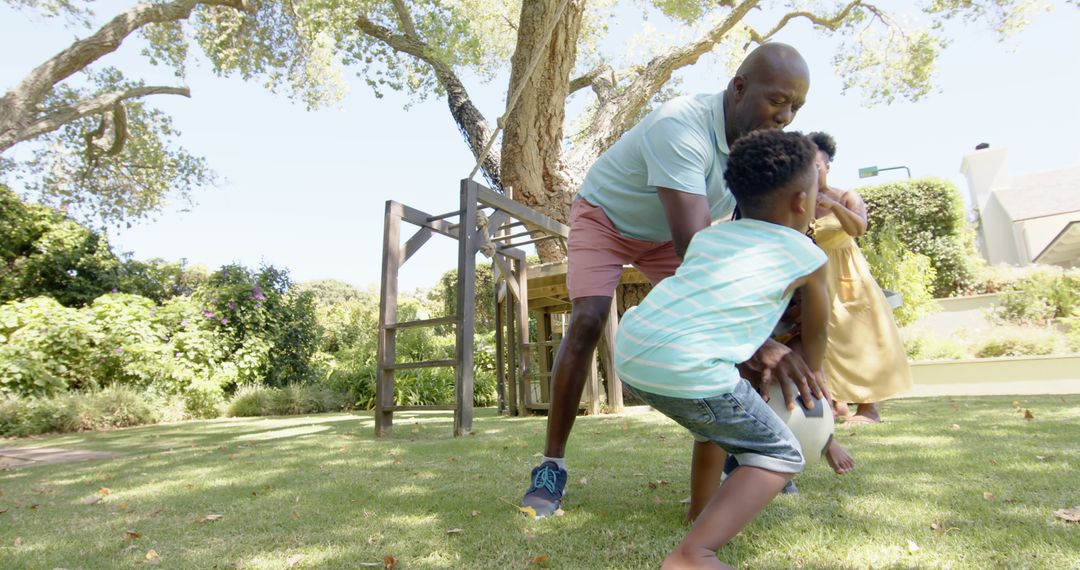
(641, 203)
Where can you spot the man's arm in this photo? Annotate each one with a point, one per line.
(686, 214)
(815, 318)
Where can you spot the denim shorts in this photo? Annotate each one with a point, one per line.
(740, 422)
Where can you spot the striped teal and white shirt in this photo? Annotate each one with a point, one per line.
(685, 338)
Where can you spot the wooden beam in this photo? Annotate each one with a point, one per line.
(521, 212)
(388, 291)
(443, 363)
(415, 242)
(424, 323)
(468, 246)
(607, 352)
(432, 408)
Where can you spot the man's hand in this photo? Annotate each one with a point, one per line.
(779, 363)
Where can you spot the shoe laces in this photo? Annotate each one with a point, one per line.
(546, 478)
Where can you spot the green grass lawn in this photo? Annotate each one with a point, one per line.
(946, 483)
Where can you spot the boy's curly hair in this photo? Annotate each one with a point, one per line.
(763, 162)
(825, 143)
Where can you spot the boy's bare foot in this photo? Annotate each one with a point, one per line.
(866, 414)
(683, 559)
(839, 459)
(840, 409)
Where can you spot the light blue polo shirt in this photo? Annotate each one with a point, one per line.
(687, 335)
(681, 145)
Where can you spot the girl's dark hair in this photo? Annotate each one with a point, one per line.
(765, 161)
(825, 143)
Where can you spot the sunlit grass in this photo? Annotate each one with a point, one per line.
(324, 489)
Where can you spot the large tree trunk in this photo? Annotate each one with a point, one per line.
(532, 147)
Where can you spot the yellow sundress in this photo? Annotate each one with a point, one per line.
(865, 360)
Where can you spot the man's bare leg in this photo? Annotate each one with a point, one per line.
(568, 375)
(587, 318)
(742, 496)
(706, 470)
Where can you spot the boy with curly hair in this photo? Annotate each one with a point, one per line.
(678, 350)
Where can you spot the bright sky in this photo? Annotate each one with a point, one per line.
(306, 190)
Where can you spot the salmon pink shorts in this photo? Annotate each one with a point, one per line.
(596, 253)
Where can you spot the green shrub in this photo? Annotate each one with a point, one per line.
(899, 269)
(251, 400)
(46, 348)
(1020, 342)
(295, 399)
(1041, 294)
(1072, 337)
(927, 216)
(112, 407)
(927, 346)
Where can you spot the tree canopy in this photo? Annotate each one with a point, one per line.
(99, 146)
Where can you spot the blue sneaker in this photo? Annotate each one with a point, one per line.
(546, 492)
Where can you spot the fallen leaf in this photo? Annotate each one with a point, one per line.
(1016, 403)
(189, 485)
(397, 462)
(559, 512)
(1028, 415)
(656, 499)
(541, 561)
(476, 513)
(1068, 515)
(374, 539)
(131, 534)
(1040, 457)
(18, 541)
(993, 462)
(389, 562)
(912, 547)
(584, 481)
(209, 518)
(152, 557)
(955, 426)
(988, 496)
(455, 530)
(104, 491)
(91, 499)
(294, 560)
(122, 507)
(652, 484)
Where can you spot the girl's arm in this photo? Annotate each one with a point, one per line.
(849, 208)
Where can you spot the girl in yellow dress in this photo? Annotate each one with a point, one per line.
(865, 361)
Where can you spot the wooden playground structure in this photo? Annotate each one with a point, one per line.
(493, 224)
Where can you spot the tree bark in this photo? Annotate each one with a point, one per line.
(20, 107)
(532, 155)
(468, 118)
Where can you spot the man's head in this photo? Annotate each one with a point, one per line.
(826, 152)
(767, 91)
(773, 176)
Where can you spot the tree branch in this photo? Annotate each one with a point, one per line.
(832, 23)
(19, 106)
(469, 119)
(99, 104)
(617, 110)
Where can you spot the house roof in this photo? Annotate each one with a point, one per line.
(1064, 249)
(1042, 194)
